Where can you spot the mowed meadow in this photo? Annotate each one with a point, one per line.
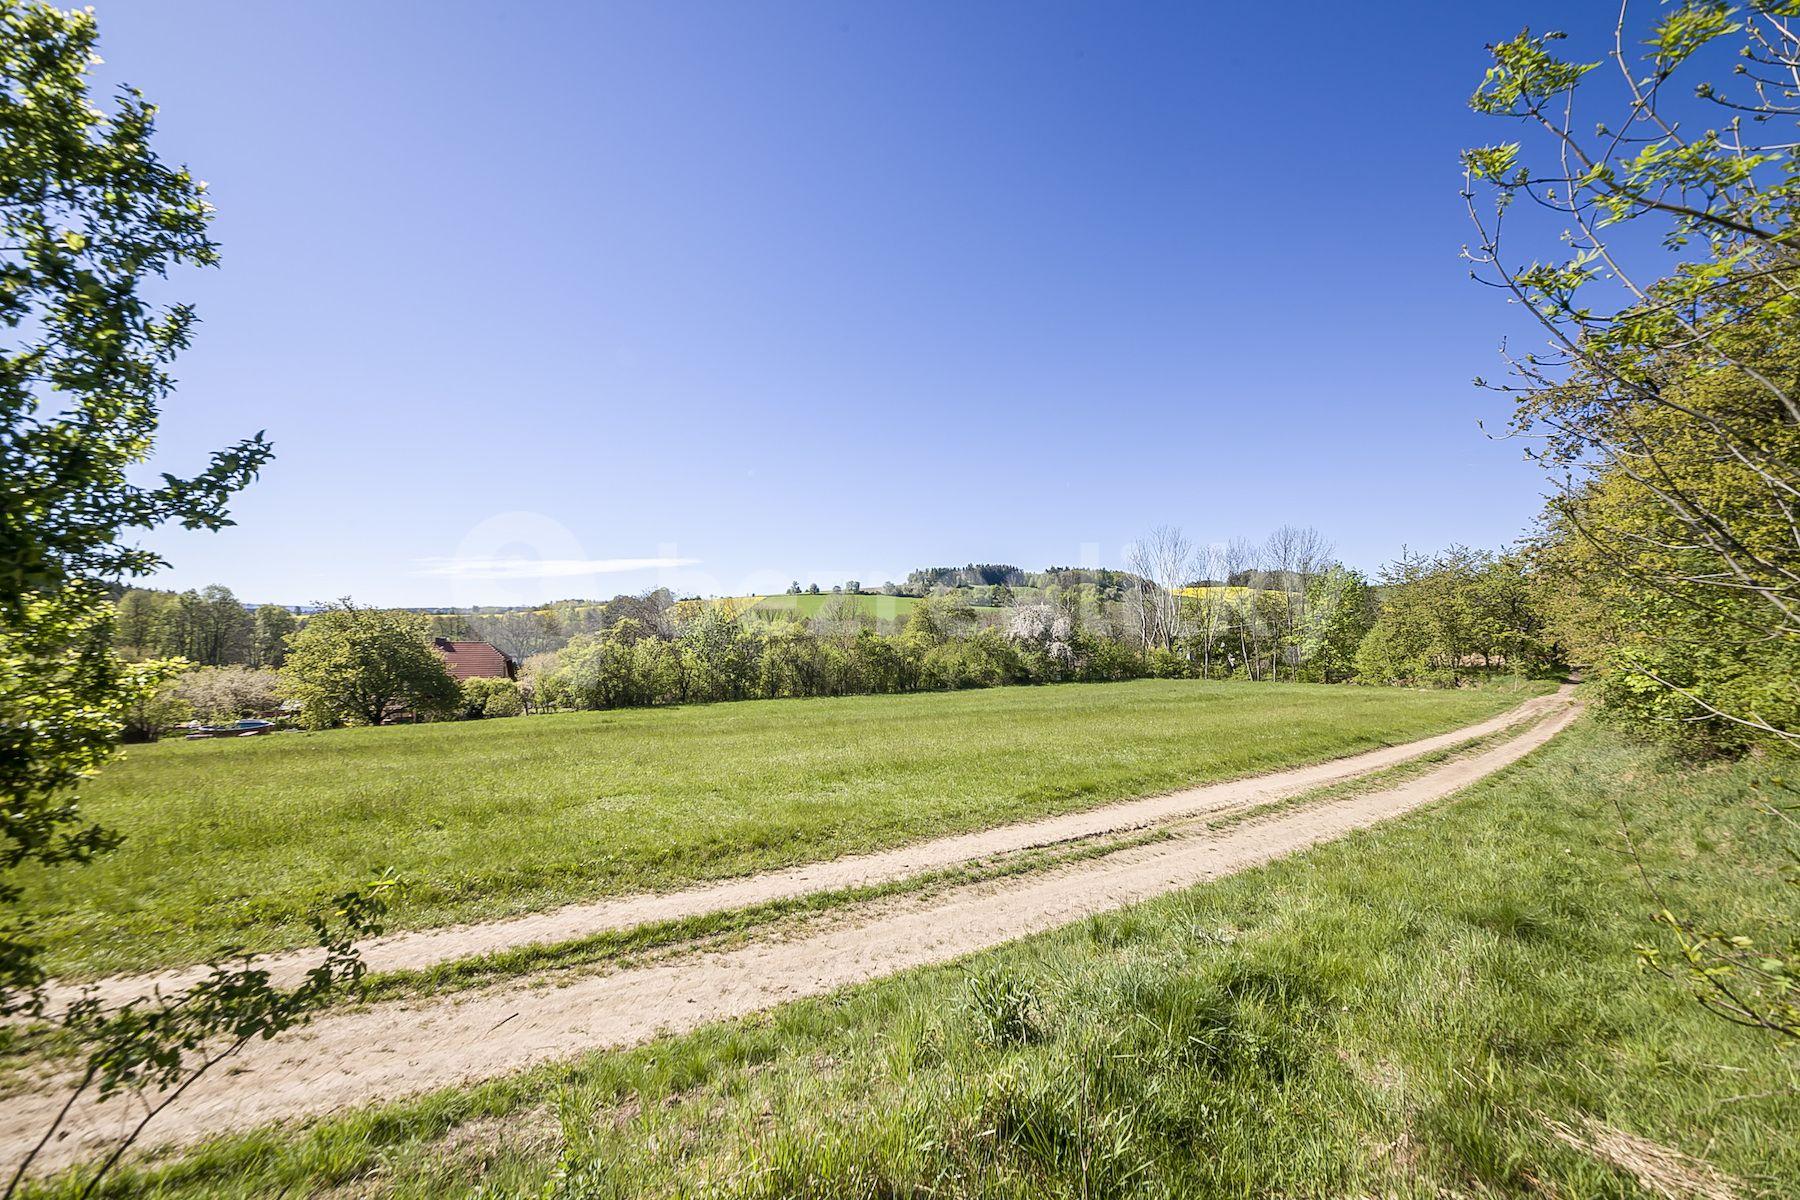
(1448, 1005)
(233, 844)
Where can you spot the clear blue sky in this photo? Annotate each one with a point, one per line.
(820, 291)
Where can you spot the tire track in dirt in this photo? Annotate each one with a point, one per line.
(391, 1050)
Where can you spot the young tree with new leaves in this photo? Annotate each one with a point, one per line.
(363, 666)
(92, 215)
(1666, 403)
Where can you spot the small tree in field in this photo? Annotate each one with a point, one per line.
(351, 665)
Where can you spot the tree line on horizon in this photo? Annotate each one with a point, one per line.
(208, 627)
(1436, 620)
(1303, 617)
(1299, 616)
(1244, 602)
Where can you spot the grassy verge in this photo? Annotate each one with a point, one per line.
(233, 843)
(1404, 1012)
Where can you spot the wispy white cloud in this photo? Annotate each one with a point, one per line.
(540, 568)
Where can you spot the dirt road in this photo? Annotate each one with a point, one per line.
(394, 1049)
(416, 949)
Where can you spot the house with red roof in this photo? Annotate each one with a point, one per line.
(474, 660)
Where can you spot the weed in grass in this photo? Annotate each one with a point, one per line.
(1005, 1010)
(914, 1045)
(1064, 1124)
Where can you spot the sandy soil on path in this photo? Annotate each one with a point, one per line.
(391, 1050)
(416, 949)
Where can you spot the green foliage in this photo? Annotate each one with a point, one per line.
(91, 216)
(1673, 654)
(351, 665)
(1394, 650)
(725, 651)
(876, 664)
(1666, 405)
(1005, 1009)
(491, 697)
(274, 625)
(1456, 615)
(793, 662)
(1342, 607)
(64, 697)
(209, 627)
(1526, 76)
(155, 1045)
(1411, 640)
(938, 618)
(1161, 663)
(503, 700)
(986, 659)
(93, 222)
(924, 579)
(212, 627)
(718, 655)
(139, 622)
(157, 711)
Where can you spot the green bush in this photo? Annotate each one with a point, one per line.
(491, 698)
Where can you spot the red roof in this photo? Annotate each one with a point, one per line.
(473, 660)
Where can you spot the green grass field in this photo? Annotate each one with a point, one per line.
(1401, 1013)
(882, 608)
(233, 843)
